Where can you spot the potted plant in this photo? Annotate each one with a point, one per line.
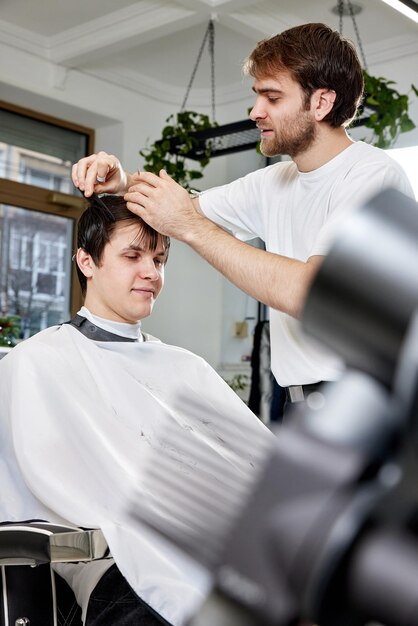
(389, 110)
(9, 331)
(177, 141)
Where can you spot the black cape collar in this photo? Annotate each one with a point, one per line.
(91, 331)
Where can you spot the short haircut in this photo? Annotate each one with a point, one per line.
(98, 222)
(317, 57)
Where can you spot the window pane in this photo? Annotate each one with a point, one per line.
(39, 153)
(35, 267)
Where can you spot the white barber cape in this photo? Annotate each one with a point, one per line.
(75, 417)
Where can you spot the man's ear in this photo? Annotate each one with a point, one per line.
(85, 262)
(322, 102)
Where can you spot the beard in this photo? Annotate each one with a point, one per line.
(294, 135)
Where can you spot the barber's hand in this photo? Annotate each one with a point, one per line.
(163, 204)
(100, 173)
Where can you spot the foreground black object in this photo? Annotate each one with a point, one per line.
(38, 593)
(330, 532)
(31, 592)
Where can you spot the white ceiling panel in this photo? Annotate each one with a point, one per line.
(154, 44)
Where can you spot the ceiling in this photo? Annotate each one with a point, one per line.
(151, 46)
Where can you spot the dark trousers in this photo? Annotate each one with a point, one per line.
(114, 603)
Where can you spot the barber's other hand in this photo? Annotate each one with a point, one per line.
(100, 173)
(163, 204)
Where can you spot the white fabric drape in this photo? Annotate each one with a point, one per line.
(76, 416)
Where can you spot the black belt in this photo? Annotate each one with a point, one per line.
(94, 332)
(299, 393)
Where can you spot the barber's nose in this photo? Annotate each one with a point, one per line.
(257, 112)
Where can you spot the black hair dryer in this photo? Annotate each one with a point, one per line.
(330, 533)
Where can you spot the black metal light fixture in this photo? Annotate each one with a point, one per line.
(220, 140)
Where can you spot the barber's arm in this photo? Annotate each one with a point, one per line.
(280, 282)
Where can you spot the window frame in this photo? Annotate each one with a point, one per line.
(57, 203)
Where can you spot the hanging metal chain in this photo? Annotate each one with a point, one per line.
(356, 30)
(210, 33)
(212, 65)
(350, 8)
(340, 15)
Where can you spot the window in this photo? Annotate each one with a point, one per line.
(38, 212)
(40, 151)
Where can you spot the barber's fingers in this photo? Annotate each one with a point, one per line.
(85, 169)
(148, 187)
(140, 199)
(98, 173)
(79, 170)
(151, 179)
(140, 193)
(165, 176)
(146, 178)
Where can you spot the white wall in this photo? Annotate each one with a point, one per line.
(188, 313)
(198, 307)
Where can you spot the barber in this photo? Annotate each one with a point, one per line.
(308, 83)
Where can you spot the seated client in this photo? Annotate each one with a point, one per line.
(80, 404)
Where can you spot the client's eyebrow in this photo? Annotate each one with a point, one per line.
(137, 248)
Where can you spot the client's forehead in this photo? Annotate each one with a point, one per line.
(125, 228)
(133, 234)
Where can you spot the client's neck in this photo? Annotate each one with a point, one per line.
(120, 328)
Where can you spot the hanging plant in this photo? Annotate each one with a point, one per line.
(390, 110)
(9, 330)
(239, 382)
(177, 141)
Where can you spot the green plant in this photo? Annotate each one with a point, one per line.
(177, 141)
(389, 115)
(9, 330)
(239, 382)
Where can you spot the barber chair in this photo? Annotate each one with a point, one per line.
(32, 593)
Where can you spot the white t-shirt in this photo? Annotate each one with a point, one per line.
(295, 214)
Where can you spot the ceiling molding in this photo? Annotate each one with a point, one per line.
(122, 28)
(392, 49)
(98, 41)
(218, 6)
(118, 31)
(255, 23)
(23, 39)
(156, 90)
